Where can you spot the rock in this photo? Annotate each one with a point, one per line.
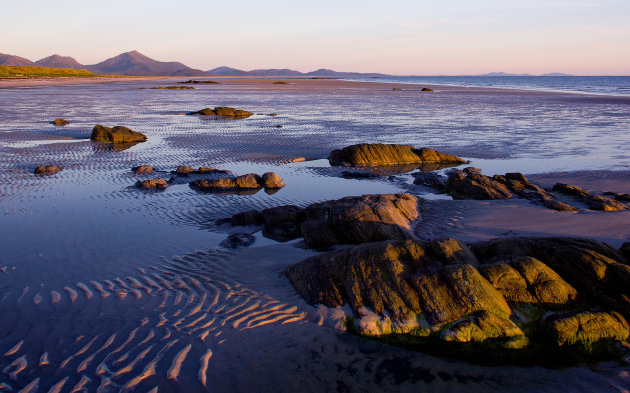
(184, 170)
(158, 183)
(250, 217)
(238, 240)
(191, 81)
(594, 202)
(60, 122)
(429, 179)
(426, 89)
(251, 180)
(173, 88)
(625, 250)
(272, 180)
(282, 223)
(142, 169)
(586, 328)
(214, 185)
(516, 176)
(118, 134)
(452, 292)
(47, 169)
(223, 111)
(525, 279)
(475, 186)
(354, 220)
(618, 197)
(599, 272)
(279, 83)
(479, 327)
(387, 154)
(396, 89)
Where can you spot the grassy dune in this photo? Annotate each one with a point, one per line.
(35, 72)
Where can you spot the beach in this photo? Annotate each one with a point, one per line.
(106, 287)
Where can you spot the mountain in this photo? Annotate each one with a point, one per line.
(556, 74)
(226, 71)
(275, 72)
(135, 63)
(503, 74)
(16, 61)
(56, 61)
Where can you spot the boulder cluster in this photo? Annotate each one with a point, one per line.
(223, 111)
(47, 169)
(518, 293)
(252, 181)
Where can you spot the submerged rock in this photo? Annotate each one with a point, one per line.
(389, 154)
(282, 223)
(250, 217)
(238, 240)
(60, 122)
(354, 220)
(158, 183)
(118, 134)
(47, 169)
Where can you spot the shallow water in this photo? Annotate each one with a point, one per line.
(107, 287)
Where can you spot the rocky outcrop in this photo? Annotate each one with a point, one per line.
(471, 183)
(47, 169)
(594, 202)
(60, 122)
(245, 182)
(223, 111)
(504, 291)
(152, 184)
(142, 169)
(390, 154)
(118, 134)
(192, 81)
(354, 220)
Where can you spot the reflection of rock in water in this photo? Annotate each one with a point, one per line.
(100, 147)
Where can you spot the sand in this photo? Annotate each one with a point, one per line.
(6, 83)
(108, 288)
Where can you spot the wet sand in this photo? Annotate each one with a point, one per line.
(107, 288)
(6, 83)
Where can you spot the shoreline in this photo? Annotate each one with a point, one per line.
(6, 83)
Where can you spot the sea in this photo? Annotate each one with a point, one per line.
(606, 85)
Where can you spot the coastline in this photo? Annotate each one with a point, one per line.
(7, 83)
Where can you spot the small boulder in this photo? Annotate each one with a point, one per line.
(586, 328)
(426, 89)
(118, 134)
(47, 169)
(238, 240)
(158, 183)
(142, 169)
(184, 170)
(60, 122)
(272, 180)
(251, 180)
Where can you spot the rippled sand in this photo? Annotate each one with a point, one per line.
(108, 288)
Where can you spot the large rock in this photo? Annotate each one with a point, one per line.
(118, 134)
(354, 220)
(389, 154)
(586, 328)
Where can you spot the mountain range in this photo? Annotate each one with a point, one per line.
(135, 63)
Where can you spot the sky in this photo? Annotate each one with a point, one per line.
(400, 37)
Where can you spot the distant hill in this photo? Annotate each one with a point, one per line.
(56, 61)
(503, 74)
(556, 74)
(16, 61)
(135, 63)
